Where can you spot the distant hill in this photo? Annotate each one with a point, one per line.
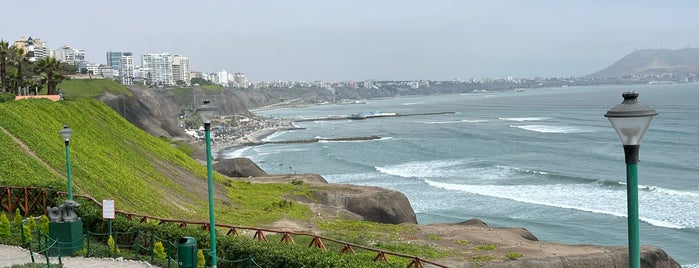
(653, 62)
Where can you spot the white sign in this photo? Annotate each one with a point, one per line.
(108, 210)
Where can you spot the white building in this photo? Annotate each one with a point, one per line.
(126, 70)
(181, 69)
(72, 56)
(157, 69)
(222, 78)
(240, 80)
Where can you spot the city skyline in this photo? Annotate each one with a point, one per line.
(363, 40)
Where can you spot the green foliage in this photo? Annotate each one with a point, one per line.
(18, 217)
(513, 256)
(5, 226)
(6, 97)
(201, 259)
(462, 242)
(212, 88)
(27, 232)
(44, 225)
(88, 88)
(434, 237)
(481, 259)
(31, 223)
(159, 250)
(485, 247)
(297, 182)
(113, 248)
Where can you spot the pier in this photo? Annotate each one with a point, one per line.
(356, 116)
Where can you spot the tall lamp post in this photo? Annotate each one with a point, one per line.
(66, 133)
(207, 111)
(631, 120)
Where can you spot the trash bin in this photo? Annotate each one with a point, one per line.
(187, 252)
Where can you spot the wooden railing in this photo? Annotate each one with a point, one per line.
(29, 199)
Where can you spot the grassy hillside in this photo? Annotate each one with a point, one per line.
(87, 88)
(111, 158)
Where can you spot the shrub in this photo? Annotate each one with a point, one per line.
(201, 260)
(18, 217)
(513, 255)
(4, 225)
(44, 225)
(159, 250)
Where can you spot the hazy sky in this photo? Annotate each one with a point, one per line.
(363, 39)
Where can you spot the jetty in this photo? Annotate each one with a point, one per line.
(363, 115)
(314, 140)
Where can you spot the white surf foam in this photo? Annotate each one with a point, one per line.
(656, 207)
(553, 129)
(522, 119)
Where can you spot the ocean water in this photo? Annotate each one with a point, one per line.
(543, 159)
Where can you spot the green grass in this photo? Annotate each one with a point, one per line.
(112, 159)
(88, 88)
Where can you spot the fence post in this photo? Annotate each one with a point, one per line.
(87, 254)
(137, 243)
(152, 247)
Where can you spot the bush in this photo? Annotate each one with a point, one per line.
(7, 97)
(4, 225)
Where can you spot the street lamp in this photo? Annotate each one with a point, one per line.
(631, 120)
(66, 133)
(207, 111)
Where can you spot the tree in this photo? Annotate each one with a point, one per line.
(50, 69)
(4, 52)
(19, 59)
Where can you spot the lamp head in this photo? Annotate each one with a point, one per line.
(206, 111)
(66, 133)
(631, 119)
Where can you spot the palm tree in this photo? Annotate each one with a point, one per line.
(50, 68)
(19, 59)
(4, 51)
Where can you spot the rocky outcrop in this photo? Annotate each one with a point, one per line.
(373, 203)
(612, 258)
(239, 167)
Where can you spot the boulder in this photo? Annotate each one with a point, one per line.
(373, 203)
(239, 167)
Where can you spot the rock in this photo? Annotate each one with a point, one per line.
(239, 167)
(613, 258)
(373, 203)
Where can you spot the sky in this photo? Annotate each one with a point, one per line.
(357, 40)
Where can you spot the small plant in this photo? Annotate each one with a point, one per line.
(31, 223)
(113, 248)
(44, 225)
(463, 242)
(434, 237)
(27, 233)
(485, 247)
(297, 182)
(159, 250)
(513, 255)
(18, 217)
(5, 226)
(201, 260)
(481, 259)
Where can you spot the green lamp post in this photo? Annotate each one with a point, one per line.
(631, 120)
(207, 112)
(66, 133)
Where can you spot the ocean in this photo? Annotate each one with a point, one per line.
(543, 159)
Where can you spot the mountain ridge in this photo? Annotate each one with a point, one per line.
(652, 62)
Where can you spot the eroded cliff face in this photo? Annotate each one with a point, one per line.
(156, 110)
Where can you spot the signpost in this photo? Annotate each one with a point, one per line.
(108, 212)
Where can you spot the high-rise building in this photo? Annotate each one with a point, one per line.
(181, 69)
(33, 48)
(114, 59)
(157, 69)
(240, 80)
(72, 56)
(126, 75)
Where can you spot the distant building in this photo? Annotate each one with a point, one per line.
(72, 56)
(33, 48)
(222, 78)
(126, 69)
(157, 69)
(240, 80)
(181, 69)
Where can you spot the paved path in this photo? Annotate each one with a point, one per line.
(12, 255)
